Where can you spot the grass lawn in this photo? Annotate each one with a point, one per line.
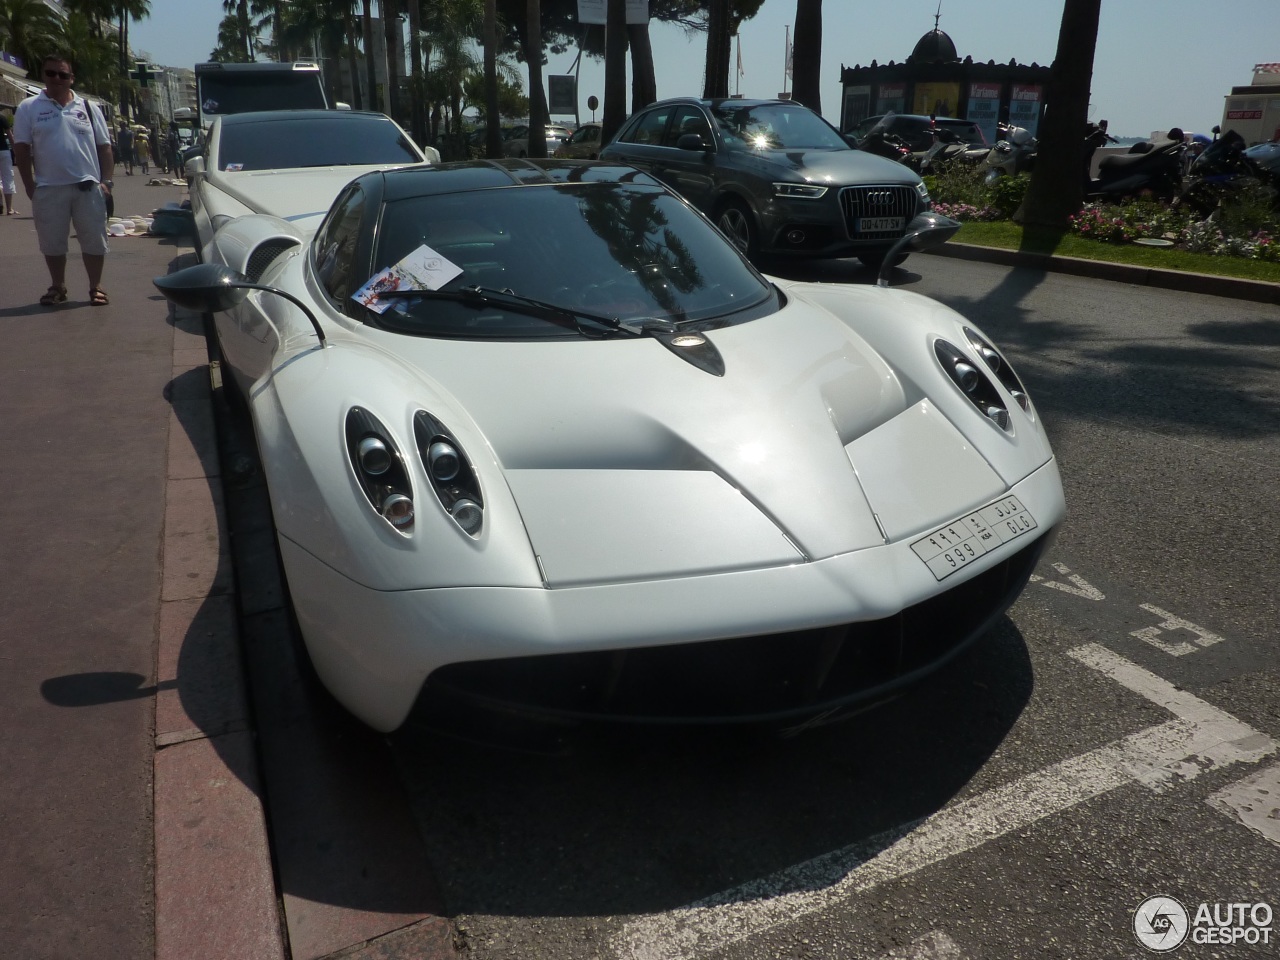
(1010, 236)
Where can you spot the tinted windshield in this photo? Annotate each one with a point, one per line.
(776, 126)
(324, 141)
(252, 91)
(619, 250)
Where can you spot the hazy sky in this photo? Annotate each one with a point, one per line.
(1159, 63)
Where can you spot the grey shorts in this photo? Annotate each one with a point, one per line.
(55, 209)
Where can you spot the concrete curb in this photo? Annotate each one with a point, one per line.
(1256, 290)
(214, 886)
(280, 830)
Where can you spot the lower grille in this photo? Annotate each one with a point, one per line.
(870, 202)
(760, 679)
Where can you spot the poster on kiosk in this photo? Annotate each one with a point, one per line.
(1024, 107)
(984, 108)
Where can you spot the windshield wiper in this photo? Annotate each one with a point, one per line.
(541, 309)
(692, 348)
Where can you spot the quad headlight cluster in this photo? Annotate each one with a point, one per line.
(383, 475)
(974, 381)
(450, 473)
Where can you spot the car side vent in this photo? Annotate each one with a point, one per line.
(265, 254)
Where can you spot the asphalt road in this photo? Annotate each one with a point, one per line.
(1113, 739)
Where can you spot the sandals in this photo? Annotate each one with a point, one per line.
(97, 297)
(53, 296)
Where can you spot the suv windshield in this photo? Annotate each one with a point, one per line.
(336, 140)
(623, 251)
(775, 126)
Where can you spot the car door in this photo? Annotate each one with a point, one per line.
(640, 142)
(691, 173)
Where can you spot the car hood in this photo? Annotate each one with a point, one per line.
(300, 196)
(626, 462)
(835, 166)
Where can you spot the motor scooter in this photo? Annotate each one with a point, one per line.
(1014, 153)
(1152, 167)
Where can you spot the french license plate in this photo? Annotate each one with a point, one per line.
(881, 224)
(957, 544)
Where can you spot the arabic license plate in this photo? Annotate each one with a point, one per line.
(957, 544)
(881, 224)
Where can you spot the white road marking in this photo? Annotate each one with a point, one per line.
(1078, 586)
(1199, 739)
(1255, 801)
(1202, 638)
(932, 946)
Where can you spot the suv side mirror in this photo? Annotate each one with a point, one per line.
(692, 141)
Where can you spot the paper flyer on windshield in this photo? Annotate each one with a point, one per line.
(423, 269)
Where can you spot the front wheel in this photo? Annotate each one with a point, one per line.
(992, 176)
(736, 222)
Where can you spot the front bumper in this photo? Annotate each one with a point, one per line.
(375, 650)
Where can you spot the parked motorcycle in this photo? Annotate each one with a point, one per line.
(885, 144)
(1014, 153)
(1151, 167)
(947, 148)
(1225, 168)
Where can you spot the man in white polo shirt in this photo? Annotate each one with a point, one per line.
(62, 149)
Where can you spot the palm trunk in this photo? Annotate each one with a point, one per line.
(537, 95)
(417, 75)
(615, 70)
(806, 75)
(395, 55)
(370, 74)
(492, 133)
(644, 84)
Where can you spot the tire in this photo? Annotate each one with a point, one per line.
(992, 176)
(738, 224)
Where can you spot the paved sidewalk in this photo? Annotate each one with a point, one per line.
(134, 807)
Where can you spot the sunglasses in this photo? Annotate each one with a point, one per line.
(61, 75)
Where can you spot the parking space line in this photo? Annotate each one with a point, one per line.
(1254, 801)
(1199, 739)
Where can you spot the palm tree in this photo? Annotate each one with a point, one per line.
(96, 66)
(806, 75)
(1056, 190)
(240, 10)
(28, 29)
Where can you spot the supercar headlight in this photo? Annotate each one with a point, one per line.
(1000, 367)
(452, 477)
(804, 191)
(380, 469)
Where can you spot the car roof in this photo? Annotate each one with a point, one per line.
(715, 102)
(466, 175)
(272, 116)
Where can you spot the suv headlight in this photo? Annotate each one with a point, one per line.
(805, 191)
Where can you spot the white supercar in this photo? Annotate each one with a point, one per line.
(537, 437)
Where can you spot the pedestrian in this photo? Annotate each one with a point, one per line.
(62, 149)
(124, 147)
(7, 183)
(142, 143)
